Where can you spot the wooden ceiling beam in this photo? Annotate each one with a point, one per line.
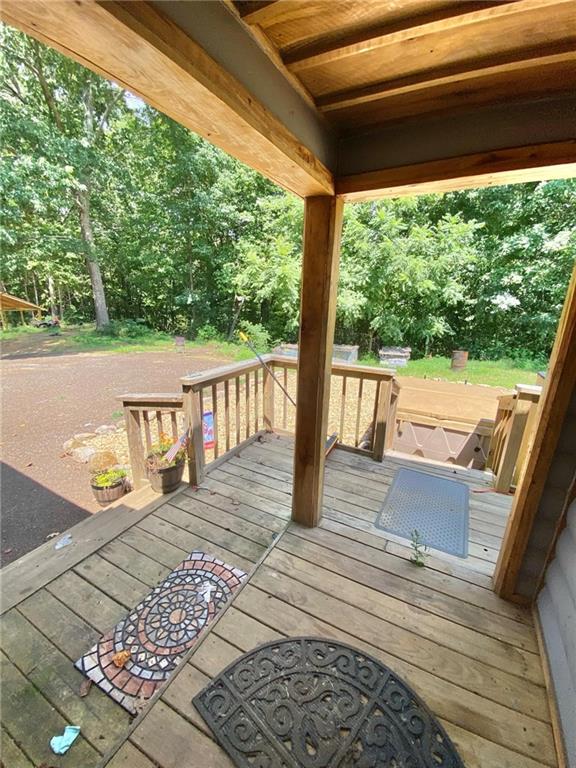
(138, 47)
(509, 63)
(263, 41)
(484, 169)
(454, 18)
(258, 11)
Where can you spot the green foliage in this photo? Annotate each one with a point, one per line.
(108, 478)
(419, 549)
(495, 373)
(181, 230)
(208, 333)
(126, 329)
(155, 460)
(258, 335)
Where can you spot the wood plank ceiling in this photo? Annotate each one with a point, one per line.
(370, 62)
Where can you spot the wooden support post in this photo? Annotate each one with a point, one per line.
(391, 419)
(268, 400)
(193, 411)
(383, 396)
(135, 446)
(512, 445)
(322, 230)
(552, 409)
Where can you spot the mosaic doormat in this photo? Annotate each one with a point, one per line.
(312, 703)
(160, 629)
(435, 507)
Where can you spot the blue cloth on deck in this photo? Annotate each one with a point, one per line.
(61, 744)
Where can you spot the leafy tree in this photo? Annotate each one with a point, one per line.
(55, 116)
(402, 275)
(174, 232)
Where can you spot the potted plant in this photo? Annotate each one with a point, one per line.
(165, 472)
(109, 485)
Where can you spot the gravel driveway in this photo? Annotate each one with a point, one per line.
(46, 399)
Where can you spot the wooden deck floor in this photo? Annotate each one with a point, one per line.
(472, 657)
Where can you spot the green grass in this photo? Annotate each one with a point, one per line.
(17, 331)
(85, 338)
(89, 340)
(494, 373)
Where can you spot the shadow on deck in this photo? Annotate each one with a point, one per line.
(472, 657)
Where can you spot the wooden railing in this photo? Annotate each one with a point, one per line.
(362, 399)
(240, 398)
(513, 431)
(245, 402)
(147, 416)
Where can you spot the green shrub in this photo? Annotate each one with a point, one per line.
(126, 329)
(257, 334)
(108, 478)
(208, 333)
(518, 358)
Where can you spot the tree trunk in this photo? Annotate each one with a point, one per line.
(60, 302)
(52, 296)
(238, 304)
(35, 286)
(98, 294)
(83, 202)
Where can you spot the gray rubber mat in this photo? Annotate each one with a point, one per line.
(435, 507)
(305, 702)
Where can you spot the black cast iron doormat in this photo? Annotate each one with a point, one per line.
(312, 703)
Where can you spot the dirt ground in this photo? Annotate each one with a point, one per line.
(47, 397)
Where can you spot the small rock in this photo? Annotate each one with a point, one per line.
(69, 445)
(105, 429)
(101, 461)
(81, 436)
(82, 454)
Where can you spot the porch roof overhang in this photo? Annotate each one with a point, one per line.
(361, 99)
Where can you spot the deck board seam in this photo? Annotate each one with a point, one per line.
(393, 653)
(351, 577)
(223, 527)
(187, 658)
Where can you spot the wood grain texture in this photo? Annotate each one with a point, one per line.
(139, 48)
(504, 166)
(472, 656)
(552, 407)
(322, 231)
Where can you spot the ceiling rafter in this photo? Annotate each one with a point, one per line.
(319, 54)
(511, 62)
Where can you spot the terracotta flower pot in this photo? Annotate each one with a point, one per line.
(110, 493)
(166, 479)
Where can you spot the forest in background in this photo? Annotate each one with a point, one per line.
(113, 212)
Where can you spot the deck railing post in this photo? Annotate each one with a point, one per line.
(391, 420)
(193, 411)
(381, 418)
(268, 400)
(135, 446)
(519, 434)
